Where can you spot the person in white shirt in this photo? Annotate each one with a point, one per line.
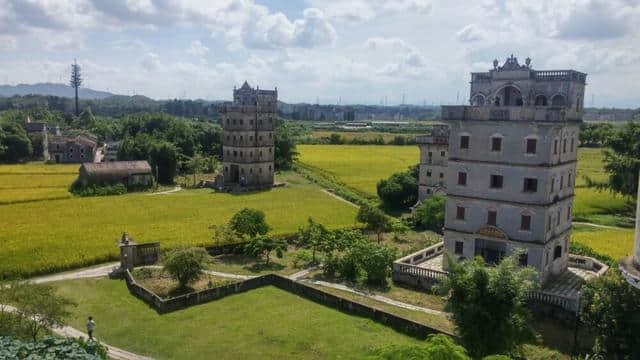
(90, 326)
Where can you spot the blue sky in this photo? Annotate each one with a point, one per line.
(359, 51)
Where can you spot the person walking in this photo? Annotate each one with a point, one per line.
(90, 326)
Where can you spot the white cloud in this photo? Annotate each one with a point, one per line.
(471, 33)
(150, 62)
(197, 49)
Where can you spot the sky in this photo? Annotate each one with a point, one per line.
(330, 51)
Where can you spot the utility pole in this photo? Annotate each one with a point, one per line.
(76, 81)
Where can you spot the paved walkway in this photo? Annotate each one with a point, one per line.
(100, 271)
(568, 284)
(380, 298)
(112, 352)
(301, 274)
(174, 190)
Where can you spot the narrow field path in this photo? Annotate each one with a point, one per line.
(601, 226)
(100, 271)
(339, 198)
(174, 190)
(112, 351)
(380, 298)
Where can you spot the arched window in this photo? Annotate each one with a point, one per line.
(557, 252)
(477, 100)
(510, 96)
(541, 100)
(558, 100)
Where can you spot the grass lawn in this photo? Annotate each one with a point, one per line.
(359, 166)
(52, 235)
(265, 323)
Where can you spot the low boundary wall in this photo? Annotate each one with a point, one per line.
(399, 323)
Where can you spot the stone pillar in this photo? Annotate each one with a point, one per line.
(127, 256)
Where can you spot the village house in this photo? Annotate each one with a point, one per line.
(72, 149)
(129, 173)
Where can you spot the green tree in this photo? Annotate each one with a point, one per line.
(86, 120)
(488, 304)
(374, 219)
(224, 234)
(335, 139)
(249, 223)
(622, 162)
(185, 264)
(285, 146)
(377, 260)
(430, 213)
(610, 305)
(40, 307)
(15, 142)
(263, 245)
(436, 347)
(164, 155)
(316, 236)
(399, 190)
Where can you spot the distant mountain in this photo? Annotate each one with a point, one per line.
(51, 89)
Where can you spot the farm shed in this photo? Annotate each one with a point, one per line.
(130, 173)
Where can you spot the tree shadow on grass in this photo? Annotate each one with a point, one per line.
(249, 263)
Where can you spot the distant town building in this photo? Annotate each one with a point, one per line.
(72, 149)
(129, 173)
(110, 151)
(248, 137)
(512, 166)
(434, 151)
(349, 115)
(630, 265)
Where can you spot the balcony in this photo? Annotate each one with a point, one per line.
(509, 113)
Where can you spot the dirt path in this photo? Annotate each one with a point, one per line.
(339, 198)
(601, 226)
(174, 190)
(301, 274)
(112, 352)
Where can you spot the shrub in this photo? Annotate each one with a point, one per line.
(301, 257)
(51, 348)
(224, 234)
(374, 219)
(430, 214)
(437, 346)
(97, 190)
(376, 260)
(331, 266)
(185, 264)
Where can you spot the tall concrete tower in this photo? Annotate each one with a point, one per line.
(512, 165)
(248, 138)
(630, 266)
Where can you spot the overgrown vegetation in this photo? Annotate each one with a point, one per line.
(610, 305)
(429, 214)
(400, 190)
(51, 348)
(488, 304)
(77, 189)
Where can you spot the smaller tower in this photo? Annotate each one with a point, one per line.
(434, 150)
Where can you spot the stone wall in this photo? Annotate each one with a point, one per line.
(308, 292)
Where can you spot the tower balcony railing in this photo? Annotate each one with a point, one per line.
(428, 139)
(509, 113)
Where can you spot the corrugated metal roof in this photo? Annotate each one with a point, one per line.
(129, 167)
